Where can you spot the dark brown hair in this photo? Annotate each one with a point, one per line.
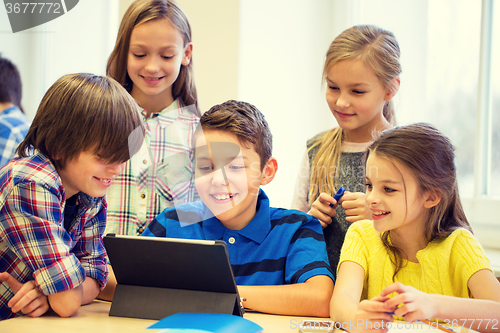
(141, 11)
(85, 112)
(243, 120)
(11, 89)
(429, 156)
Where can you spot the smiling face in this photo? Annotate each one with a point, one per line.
(89, 174)
(356, 98)
(394, 196)
(156, 54)
(228, 177)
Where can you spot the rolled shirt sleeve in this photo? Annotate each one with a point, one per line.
(32, 227)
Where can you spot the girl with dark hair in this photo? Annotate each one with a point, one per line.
(416, 258)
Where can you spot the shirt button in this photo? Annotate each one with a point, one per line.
(232, 240)
(141, 230)
(143, 196)
(145, 161)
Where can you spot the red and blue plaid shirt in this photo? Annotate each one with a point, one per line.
(34, 245)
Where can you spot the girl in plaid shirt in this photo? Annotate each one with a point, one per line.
(153, 60)
(52, 210)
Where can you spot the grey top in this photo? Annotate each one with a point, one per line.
(351, 176)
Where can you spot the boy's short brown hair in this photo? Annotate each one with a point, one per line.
(85, 112)
(243, 120)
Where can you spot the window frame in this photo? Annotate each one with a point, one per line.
(480, 207)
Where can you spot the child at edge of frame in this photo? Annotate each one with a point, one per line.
(52, 205)
(416, 259)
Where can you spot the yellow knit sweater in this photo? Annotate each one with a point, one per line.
(444, 266)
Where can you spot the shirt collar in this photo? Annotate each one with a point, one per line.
(171, 113)
(212, 227)
(10, 109)
(86, 200)
(256, 230)
(167, 116)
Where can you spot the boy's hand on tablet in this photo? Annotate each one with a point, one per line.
(356, 207)
(372, 315)
(28, 299)
(323, 209)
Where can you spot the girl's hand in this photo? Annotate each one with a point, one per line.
(372, 315)
(416, 304)
(28, 299)
(322, 210)
(356, 207)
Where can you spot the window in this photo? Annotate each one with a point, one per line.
(494, 182)
(451, 79)
(78, 41)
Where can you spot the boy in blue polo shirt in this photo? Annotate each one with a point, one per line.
(278, 256)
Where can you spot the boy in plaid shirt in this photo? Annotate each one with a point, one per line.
(52, 210)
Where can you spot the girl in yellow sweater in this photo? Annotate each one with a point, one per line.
(417, 257)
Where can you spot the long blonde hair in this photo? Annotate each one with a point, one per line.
(141, 11)
(379, 50)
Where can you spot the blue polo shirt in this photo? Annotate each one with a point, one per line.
(279, 246)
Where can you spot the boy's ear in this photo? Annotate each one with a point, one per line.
(56, 157)
(269, 171)
(188, 52)
(393, 89)
(433, 198)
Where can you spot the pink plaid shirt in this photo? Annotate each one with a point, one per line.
(159, 176)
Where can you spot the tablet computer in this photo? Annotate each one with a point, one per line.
(160, 276)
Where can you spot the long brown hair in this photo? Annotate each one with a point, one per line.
(85, 112)
(141, 11)
(429, 156)
(379, 50)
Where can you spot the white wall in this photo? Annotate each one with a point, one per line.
(20, 48)
(78, 41)
(216, 39)
(282, 51)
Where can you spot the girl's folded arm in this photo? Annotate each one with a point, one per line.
(347, 291)
(481, 313)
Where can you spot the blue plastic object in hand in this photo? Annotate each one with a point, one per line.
(338, 195)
